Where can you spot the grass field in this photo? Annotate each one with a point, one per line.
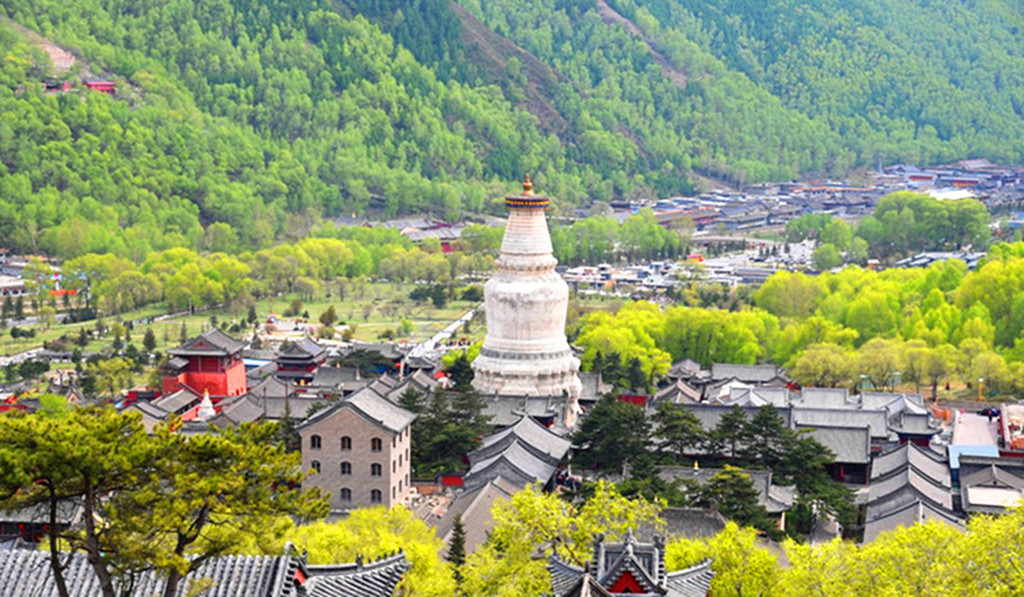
(370, 309)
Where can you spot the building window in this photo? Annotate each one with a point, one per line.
(346, 468)
(392, 466)
(314, 442)
(376, 470)
(346, 443)
(392, 492)
(394, 439)
(399, 460)
(346, 494)
(376, 496)
(316, 466)
(399, 485)
(376, 445)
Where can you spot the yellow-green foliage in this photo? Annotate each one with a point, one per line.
(532, 525)
(374, 532)
(929, 559)
(741, 566)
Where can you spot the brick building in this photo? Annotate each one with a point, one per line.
(358, 450)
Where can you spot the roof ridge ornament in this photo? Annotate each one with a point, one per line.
(527, 186)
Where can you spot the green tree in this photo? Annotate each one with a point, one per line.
(612, 434)
(149, 340)
(461, 372)
(678, 430)
(732, 493)
(205, 496)
(730, 433)
(376, 532)
(457, 549)
(825, 257)
(111, 375)
(825, 365)
(329, 316)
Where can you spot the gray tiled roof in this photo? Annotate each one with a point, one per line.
(778, 397)
(529, 432)
(586, 586)
(745, 373)
(849, 444)
(929, 463)
(694, 581)
(376, 579)
(387, 414)
(243, 409)
(826, 397)
(68, 511)
(910, 423)
(913, 512)
(271, 387)
(212, 342)
(910, 482)
(331, 376)
(303, 347)
(372, 406)
(475, 507)
(677, 393)
(993, 476)
(876, 420)
(176, 401)
(149, 409)
(514, 461)
(506, 410)
(564, 576)
(28, 574)
(692, 523)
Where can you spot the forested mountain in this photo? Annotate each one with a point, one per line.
(265, 115)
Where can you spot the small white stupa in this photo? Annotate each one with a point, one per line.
(525, 352)
(206, 410)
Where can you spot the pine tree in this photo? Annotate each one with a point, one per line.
(635, 376)
(149, 340)
(732, 493)
(251, 317)
(461, 372)
(730, 433)
(183, 334)
(457, 549)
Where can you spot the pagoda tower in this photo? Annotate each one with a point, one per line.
(525, 352)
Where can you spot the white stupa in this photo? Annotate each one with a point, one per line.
(525, 352)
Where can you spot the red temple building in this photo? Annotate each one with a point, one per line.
(297, 362)
(210, 362)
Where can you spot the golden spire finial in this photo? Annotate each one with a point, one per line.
(527, 186)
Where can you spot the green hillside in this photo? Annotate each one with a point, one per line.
(264, 116)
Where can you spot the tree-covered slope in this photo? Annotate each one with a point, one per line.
(264, 115)
(898, 80)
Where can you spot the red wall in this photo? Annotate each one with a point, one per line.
(231, 382)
